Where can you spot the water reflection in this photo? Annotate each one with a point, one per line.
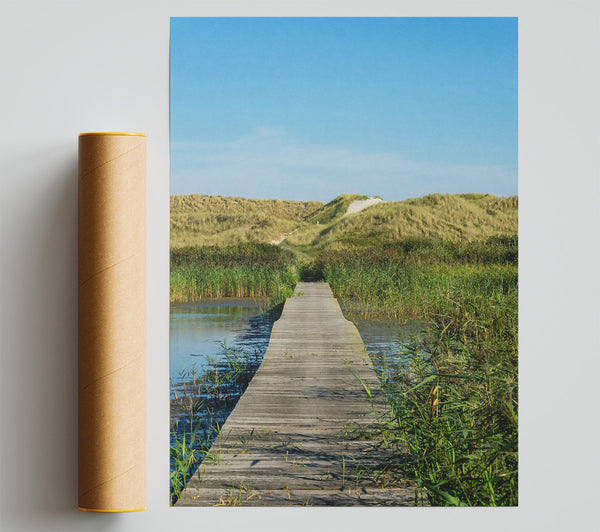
(199, 329)
(387, 341)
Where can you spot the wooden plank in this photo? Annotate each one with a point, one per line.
(304, 432)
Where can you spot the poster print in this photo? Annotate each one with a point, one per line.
(344, 256)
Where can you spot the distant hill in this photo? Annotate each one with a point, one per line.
(311, 226)
(199, 220)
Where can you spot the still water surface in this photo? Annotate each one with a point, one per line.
(198, 331)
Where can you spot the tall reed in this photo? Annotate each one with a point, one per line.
(453, 396)
(416, 277)
(454, 406)
(245, 270)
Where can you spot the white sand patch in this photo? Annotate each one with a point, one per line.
(359, 205)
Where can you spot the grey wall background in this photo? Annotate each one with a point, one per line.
(68, 67)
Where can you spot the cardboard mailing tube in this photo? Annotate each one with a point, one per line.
(112, 322)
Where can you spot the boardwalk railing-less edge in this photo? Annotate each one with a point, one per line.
(300, 433)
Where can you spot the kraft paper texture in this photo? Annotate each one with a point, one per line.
(112, 322)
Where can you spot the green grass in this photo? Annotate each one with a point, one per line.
(454, 405)
(244, 270)
(416, 292)
(416, 278)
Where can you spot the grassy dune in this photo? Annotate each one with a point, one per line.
(309, 227)
(446, 217)
(217, 220)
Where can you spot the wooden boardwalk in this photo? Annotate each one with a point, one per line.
(298, 435)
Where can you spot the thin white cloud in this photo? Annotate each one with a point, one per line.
(267, 163)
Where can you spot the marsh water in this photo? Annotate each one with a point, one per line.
(199, 331)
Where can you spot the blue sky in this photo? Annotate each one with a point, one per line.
(311, 108)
